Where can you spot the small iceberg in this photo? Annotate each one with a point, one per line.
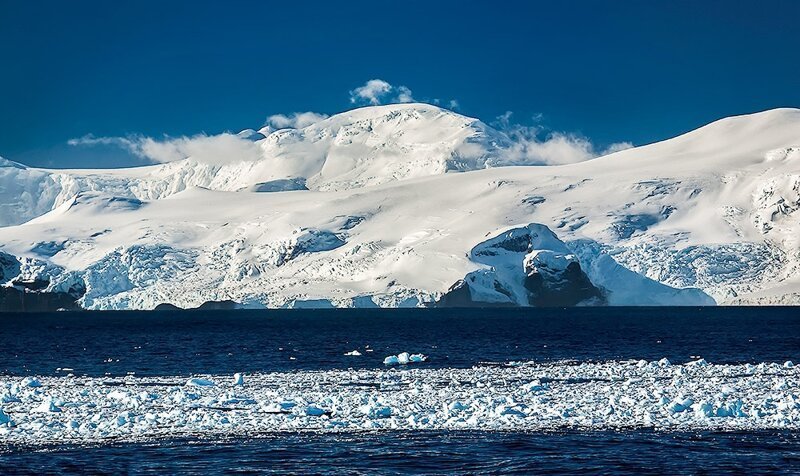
(31, 382)
(199, 382)
(238, 379)
(311, 410)
(698, 363)
(47, 406)
(353, 353)
(5, 420)
(404, 358)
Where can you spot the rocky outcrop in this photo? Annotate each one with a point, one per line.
(526, 266)
(20, 300)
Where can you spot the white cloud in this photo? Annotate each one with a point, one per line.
(404, 94)
(554, 149)
(534, 145)
(216, 149)
(297, 120)
(378, 91)
(616, 147)
(453, 104)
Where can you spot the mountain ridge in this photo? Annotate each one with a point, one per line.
(714, 209)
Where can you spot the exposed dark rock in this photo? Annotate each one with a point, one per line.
(460, 295)
(570, 288)
(167, 307)
(217, 306)
(19, 300)
(9, 267)
(206, 306)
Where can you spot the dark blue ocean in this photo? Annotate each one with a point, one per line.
(222, 342)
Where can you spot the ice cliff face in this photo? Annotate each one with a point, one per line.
(366, 209)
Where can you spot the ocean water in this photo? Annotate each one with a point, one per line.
(221, 342)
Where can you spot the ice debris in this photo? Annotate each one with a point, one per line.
(32, 382)
(526, 396)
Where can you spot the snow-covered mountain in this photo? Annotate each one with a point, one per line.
(367, 146)
(362, 209)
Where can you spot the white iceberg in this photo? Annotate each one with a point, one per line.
(404, 358)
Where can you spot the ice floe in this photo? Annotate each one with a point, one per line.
(521, 396)
(404, 358)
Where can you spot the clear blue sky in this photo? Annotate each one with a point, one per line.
(611, 70)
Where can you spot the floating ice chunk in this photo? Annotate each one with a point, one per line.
(124, 418)
(698, 363)
(703, 409)
(536, 386)
(513, 411)
(31, 382)
(376, 411)
(353, 353)
(47, 406)
(238, 379)
(456, 407)
(118, 395)
(199, 382)
(733, 409)
(680, 404)
(404, 358)
(788, 364)
(664, 362)
(5, 420)
(727, 390)
(312, 410)
(9, 398)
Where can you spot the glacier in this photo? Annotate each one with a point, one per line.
(414, 205)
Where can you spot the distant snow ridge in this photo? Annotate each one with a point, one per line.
(361, 209)
(363, 147)
(526, 396)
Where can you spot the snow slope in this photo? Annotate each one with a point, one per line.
(379, 222)
(367, 146)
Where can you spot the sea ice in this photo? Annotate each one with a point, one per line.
(5, 419)
(526, 396)
(31, 382)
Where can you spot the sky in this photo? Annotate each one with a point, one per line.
(608, 71)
